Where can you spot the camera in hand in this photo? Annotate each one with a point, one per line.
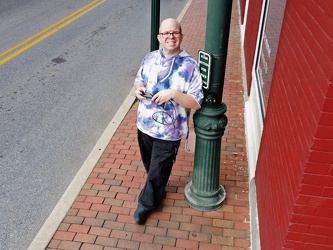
(147, 95)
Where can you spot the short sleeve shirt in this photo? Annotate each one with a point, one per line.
(168, 121)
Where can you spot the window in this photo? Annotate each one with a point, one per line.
(268, 45)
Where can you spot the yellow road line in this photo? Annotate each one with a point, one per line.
(43, 34)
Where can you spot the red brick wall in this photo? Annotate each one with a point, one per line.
(250, 37)
(294, 175)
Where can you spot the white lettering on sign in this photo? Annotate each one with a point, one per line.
(205, 57)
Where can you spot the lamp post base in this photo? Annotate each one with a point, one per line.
(209, 201)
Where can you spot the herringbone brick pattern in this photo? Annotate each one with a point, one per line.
(102, 215)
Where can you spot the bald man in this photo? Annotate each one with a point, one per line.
(168, 85)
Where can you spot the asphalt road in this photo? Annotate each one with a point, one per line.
(58, 96)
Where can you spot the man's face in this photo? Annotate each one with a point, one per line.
(170, 42)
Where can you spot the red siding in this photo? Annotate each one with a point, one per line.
(294, 175)
(242, 5)
(250, 37)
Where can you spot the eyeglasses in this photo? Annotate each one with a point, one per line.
(167, 34)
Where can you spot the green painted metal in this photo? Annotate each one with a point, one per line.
(204, 192)
(155, 22)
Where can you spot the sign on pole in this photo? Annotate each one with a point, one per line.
(205, 61)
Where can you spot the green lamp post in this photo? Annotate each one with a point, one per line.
(204, 192)
(155, 22)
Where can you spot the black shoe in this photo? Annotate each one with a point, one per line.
(141, 214)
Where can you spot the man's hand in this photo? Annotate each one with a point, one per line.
(185, 100)
(139, 93)
(163, 96)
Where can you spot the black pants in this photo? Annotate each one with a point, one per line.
(158, 157)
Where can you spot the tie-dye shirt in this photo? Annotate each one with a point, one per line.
(168, 121)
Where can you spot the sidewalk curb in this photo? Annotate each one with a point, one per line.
(52, 223)
(181, 15)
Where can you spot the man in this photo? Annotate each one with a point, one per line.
(168, 85)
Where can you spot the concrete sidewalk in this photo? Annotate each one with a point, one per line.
(101, 216)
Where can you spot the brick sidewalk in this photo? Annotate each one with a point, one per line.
(102, 215)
